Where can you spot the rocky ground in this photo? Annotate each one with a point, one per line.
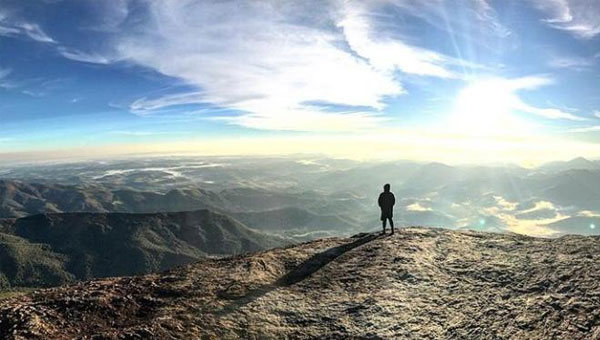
(419, 283)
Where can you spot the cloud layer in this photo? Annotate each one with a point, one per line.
(337, 65)
(277, 69)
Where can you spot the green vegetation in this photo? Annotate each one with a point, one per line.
(12, 292)
(23, 263)
(54, 249)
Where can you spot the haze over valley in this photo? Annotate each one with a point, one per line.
(299, 196)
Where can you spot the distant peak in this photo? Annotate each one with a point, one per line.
(580, 159)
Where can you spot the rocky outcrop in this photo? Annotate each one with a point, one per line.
(418, 283)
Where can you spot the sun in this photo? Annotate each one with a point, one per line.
(485, 108)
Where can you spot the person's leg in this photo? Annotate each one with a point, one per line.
(392, 224)
(383, 224)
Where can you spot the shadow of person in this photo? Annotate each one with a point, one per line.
(300, 272)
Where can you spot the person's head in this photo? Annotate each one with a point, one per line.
(386, 188)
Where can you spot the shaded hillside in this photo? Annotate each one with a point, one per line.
(50, 249)
(419, 283)
(26, 264)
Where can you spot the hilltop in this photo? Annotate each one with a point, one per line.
(419, 283)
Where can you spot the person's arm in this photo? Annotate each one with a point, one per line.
(393, 200)
(380, 200)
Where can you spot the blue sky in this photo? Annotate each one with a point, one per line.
(127, 75)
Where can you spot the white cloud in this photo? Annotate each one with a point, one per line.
(4, 72)
(540, 205)
(11, 27)
(308, 120)
(504, 204)
(417, 207)
(4, 83)
(386, 53)
(550, 113)
(578, 17)
(92, 58)
(263, 60)
(34, 32)
(502, 94)
(585, 129)
(487, 14)
(588, 213)
(109, 15)
(573, 63)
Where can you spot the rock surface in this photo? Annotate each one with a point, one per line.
(419, 283)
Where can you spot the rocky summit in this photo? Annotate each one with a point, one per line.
(419, 283)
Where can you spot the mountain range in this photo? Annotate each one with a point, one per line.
(317, 197)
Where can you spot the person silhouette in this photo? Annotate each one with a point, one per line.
(386, 202)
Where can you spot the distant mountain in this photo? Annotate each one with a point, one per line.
(19, 199)
(429, 178)
(259, 208)
(580, 188)
(61, 247)
(366, 179)
(299, 197)
(576, 163)
(290, 218)
(417, 284)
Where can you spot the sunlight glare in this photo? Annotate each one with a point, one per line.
(484, 109)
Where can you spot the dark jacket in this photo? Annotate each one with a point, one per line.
(386, 203)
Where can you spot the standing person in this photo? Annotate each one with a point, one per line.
(386, 203)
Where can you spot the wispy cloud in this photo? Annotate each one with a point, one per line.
(4, 72)
(34, 32)
(578, 64)
(486, 13)
(476, 15)
(386, 53)
(5, 83)
(257, 59)
(586, 129)
(417, 207)
(92, 58)
(578, 17)
(12, 27)
(268, 63)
